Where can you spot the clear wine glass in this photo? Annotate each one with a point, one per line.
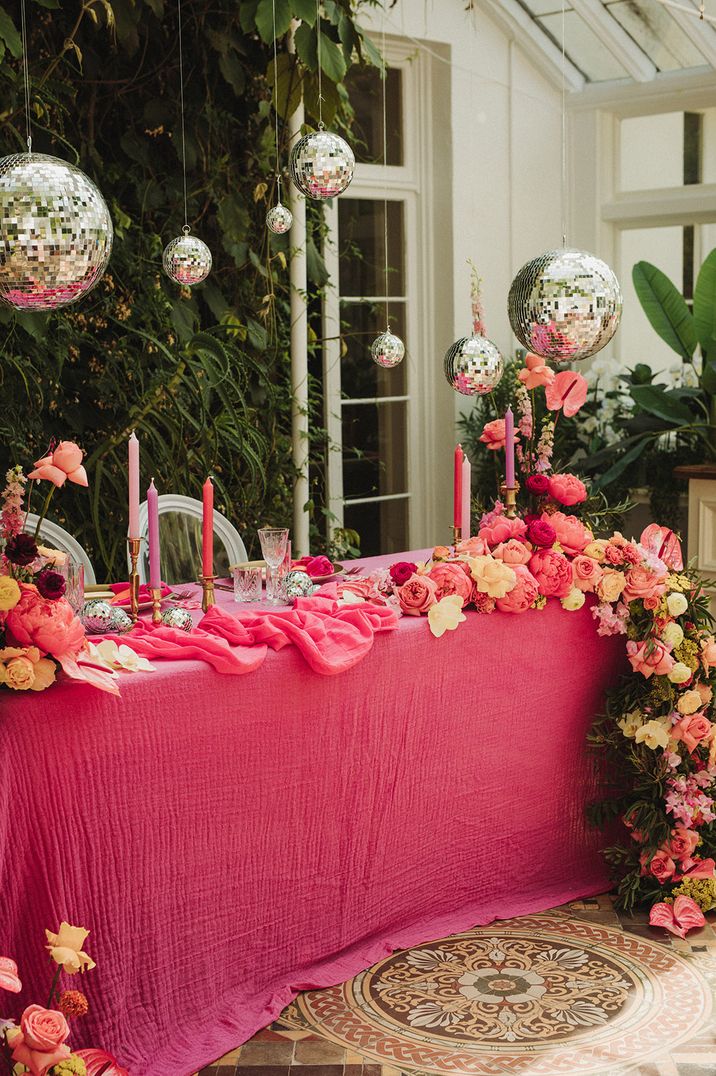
(274, 542)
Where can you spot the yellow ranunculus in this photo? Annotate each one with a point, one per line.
(66, 948)
(492, 576)
(680, 673)
(445, 615)
(9, 593)
(574, 600)
(673, 635)
(654, 734)
(677, 604)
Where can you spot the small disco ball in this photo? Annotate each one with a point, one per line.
(120, 621)
(473, 366)
(565, 305)
(387, 350)
(55, 232)
(298, 584)
(279, 219)
(177, 618)
(322, 164)
(96, 617)
(187, 260)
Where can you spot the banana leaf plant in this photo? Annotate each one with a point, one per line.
(687, 414)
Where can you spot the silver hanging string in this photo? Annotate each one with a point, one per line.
(26, 76)
(564, 140)
(186, 229)
(385, 175)
(318, 52)
(275, 92)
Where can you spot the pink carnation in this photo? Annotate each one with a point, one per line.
(522, 595)
(553, 573)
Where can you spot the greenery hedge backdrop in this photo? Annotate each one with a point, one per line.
(203, 375)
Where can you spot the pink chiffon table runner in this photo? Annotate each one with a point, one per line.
(230, 840)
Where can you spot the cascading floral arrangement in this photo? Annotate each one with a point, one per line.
(657, 733)
(38, 1043)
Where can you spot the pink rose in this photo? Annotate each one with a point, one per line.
(417, 595)
(537, 484)
(51, 626)
(642, 582)
(318, 566)
(571, 533)
(401, 571)
(567, 393)
(474, 547)
(65, 462)
(682, 843)
(39, 1042)
(493, 434)
(567, 489)
(512, 552)
(522, 595)
(662, 867)
(692, 730)
(541, 533)
(553, 573)
(452, 578)
(708, 653)
(501, 529)
(587, 573)
(535, 372)
(649, 658)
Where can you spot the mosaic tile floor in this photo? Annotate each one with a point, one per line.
(576, 991)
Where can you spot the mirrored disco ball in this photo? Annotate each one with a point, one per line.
(565, 305)
(55, 232)
(279, 219)
(322, 164)
(187, 260)
(387, 350)
(473, 366)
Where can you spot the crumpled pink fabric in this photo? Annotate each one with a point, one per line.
(155, 642)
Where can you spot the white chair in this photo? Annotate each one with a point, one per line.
(55, 536)
(180, 540)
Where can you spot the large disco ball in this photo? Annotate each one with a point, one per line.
(55, 232)
(387, 350)
(322, 164)
(187, 260)
(565, 305)
(473, 366)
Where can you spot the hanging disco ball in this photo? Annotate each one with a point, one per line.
(473, 366)
(387, 350)
(322, 164)
(279, 219)
(565, 305)
(187, 260)
(55, 232)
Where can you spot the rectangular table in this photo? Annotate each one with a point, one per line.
(230, 840)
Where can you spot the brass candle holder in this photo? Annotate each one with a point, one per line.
(509, 495)
(456, 534)
(156, 605)
(134, 546)
(208, 597)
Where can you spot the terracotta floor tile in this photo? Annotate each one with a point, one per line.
(262, 1052)
(318, 1052)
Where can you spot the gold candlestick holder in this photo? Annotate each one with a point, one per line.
(509, 495)
(456, 534)
(134, 546)
(207, 587)
(156, 605)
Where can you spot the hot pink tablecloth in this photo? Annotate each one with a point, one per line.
(230, 840)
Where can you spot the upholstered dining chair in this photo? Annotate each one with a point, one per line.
(180, 527)
(55, 536)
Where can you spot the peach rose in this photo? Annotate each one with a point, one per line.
(708, 653)
(682, 844)
(642, 582)
(596, 549)
(501, 529)
(705, 692)
(512, 552)
(19, 674)
(567, 489)
(611, 585)
(587, 572)
(39, 1042)
(692, 730)
(649, 658)
(492, 577)
(553, 573)
(417, 595)
(473, 547)
(493, 434)
(442, 552)
(49, 625)
(452, 578)
(22, 668)
(522, 595)
(65, 462)
(535, 372)
(571, 533)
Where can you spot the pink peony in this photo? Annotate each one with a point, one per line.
(641, 582)
(541, 533)
(51, 626)
(401, 571)
(522, 595)
(553, 573)
(501, 529)
(567, 393)
(417, 595)
(649, 658)
(452, 578)
(512, 552)
(692, 730)
(39, 1042)
(567, 489)
(571, 533)
(65, 462)
(493, 434)
(587, 572)
(473, 547)
(535, 372)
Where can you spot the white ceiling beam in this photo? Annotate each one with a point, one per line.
(633, 59)
(523, 29)
(671, 91)
(698, 31)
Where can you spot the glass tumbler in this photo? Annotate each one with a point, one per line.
(247, 584)
(274, 543)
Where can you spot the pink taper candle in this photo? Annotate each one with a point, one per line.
(207, 558)
(155, 568)
(457, 487)
(466, 497)
(133, 531)
(509, 448)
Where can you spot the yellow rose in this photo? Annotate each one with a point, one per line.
(492, 576)
(9, 593)
(595, 549)
(44, 674)
(19, 674)
(66, 948)
(574, 600)
(680, 673)
(689, 702)
(611, 585)
(654, 734)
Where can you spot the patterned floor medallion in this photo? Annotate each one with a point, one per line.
(545, 995)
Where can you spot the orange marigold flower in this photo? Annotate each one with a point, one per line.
(73, 1003)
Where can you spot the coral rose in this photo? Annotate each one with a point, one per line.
(49, 625)
(522, 595)
(492, 577)
(567, 393)
(662, 867)
(682, 844)
(535, 372)
(567, 489)
(611, 585)
(553, 573)
(452, 578)
(65, 462)
(39, 1042)
(501, 529)
(541, 533)
(417, 595)
(587, 573)
(649, 658)
(571, 533)
(493, 434)
(692, 730)
(642, 582)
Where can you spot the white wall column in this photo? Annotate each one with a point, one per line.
(299, 354)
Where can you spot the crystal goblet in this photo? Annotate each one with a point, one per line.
(274, 542)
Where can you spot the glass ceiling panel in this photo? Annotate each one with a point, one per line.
(583, 47)
(657, 33)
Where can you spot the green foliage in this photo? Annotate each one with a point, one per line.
(665, 308)
(203, 375)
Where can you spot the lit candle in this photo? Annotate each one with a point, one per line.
(155, 569)
(457, 487)
(509, 447)
(466, 497)
(133, 531)
(207, 560)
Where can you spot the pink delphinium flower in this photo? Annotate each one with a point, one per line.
(12, 517)
(545, 447)
(523, 406)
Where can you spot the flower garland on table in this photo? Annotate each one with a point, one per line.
(38, 1044)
